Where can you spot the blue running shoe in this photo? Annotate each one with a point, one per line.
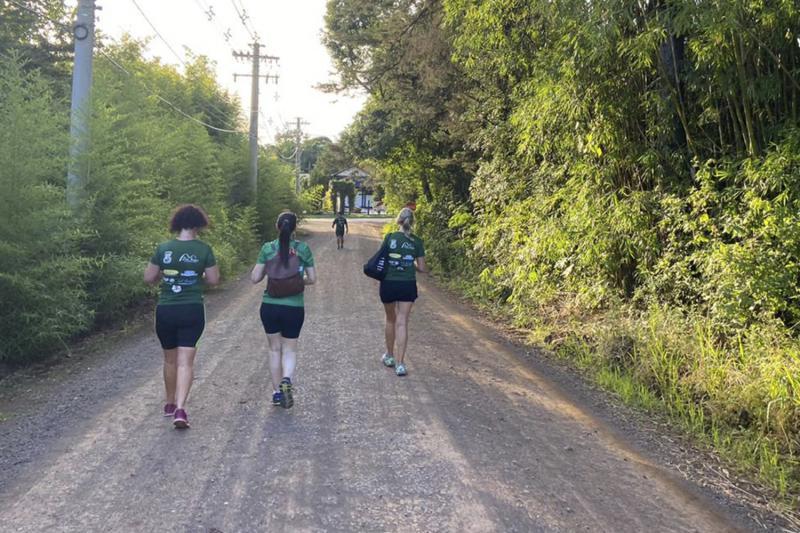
(277, 398)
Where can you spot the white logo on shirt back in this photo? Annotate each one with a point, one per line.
(393, 244)
(189, 258)
(168, 257)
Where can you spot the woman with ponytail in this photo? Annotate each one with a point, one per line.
(406, 256)
(289, 266)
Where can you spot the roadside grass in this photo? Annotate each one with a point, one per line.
(740, 398)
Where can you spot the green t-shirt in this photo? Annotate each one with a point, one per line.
(340, 223)
(270, 250)
(182, 264)
(403, 250)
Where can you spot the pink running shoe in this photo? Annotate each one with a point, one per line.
(181, 420)
(169, 409)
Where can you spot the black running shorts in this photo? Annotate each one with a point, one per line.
(284, 319)
(398, 291)
(180, 325)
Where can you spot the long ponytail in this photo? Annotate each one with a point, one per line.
(287, 223)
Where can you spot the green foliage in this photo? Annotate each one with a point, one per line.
(574, 160)
(61, 272)
(275, 194)
(341, 189)
(312, 199)
(42, 277)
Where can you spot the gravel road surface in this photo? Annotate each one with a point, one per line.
(475, 438)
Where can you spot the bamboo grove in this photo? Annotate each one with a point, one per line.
(621, 178)
(63, 273)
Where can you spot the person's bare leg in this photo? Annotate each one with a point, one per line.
(389, 329)
(185, 374)
(289, 357)
(275, 366)
(401, 330)
(170, 374)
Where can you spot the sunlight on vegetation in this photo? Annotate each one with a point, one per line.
(622, 180)
(62, 272)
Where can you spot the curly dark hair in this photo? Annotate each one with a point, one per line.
(188, 216)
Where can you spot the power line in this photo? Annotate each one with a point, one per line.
(126, 71)
(243, 18)
(177, 56)
(221, 115)
(211, 15)
(162, 99)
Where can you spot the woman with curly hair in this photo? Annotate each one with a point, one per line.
(182, 266)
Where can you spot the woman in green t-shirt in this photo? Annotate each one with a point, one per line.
(289, 267)
(406, 256)
(182, 265)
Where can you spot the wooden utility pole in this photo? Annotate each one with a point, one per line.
(298, 138)
(256, 58)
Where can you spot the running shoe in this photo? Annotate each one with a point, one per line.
(387, 360)
(169, 409)
(181, 420)
(277, 398)
(400, 369)
(286, 393)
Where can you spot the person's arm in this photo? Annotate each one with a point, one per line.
(258, 272)
(333, 223)
(211, 275)
(260, 268)
(421, 266)
(152, 274)
(211, 271)
(346, 227)
(311, 276)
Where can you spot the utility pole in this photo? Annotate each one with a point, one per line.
(80, 107)
(257, 58)
(298, 137)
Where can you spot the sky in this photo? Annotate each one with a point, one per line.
(290, 30)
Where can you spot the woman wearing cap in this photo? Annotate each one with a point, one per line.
(289, 266)
(398, 291)
(182, 265)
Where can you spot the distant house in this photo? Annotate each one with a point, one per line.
(363, 201)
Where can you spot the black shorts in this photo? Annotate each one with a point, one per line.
(398, 291)
(180, 325)
(340, 233)
(284, 319)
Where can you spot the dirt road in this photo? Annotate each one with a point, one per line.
(476, 438)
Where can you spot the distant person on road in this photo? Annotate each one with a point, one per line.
(398, 291)
(340, 222)
(289, 267)
(182, 265)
